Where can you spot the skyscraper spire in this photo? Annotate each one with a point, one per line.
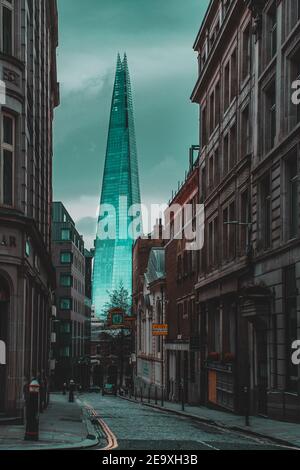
(113, 257)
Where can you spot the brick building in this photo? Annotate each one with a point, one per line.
(181, 351)
(28, 41)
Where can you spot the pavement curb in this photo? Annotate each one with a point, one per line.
(218, 424)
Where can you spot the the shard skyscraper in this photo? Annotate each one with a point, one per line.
(121, 190)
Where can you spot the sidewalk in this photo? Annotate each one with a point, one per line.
(62, 426)
(277, 431)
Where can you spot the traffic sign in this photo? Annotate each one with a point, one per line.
(160, 330)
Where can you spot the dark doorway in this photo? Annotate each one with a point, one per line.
(4, 303)
(262, 370)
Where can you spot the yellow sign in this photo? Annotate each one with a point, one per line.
(159, 330)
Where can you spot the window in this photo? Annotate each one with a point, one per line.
(203, 183)
(212, 113)
(226, 86)
(204, 127)
(233, 147)
(233, 78)
(246, 52)
(66, 280)
(226, 154)
(266, 211)
(65, 351)
(214, 328)
(245, 132)
(211, 173)
(213, 242)
(217, 104)
(245, 220)
(7, 160)
(7, 27)
(232, 231)
(272, 31)
(65, 327)
(225, 234)
(291, 324)
(292, 195)
(66, 257)
(216, 168)
(65, 304)
(270, 116)
(66, 234)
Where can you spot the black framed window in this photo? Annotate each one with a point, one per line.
(7, 160)
(7, 23)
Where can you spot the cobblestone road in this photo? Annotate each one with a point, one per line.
(138, 427)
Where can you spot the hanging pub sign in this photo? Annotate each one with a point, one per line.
(116, 317)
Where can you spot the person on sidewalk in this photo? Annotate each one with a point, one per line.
(71, 391)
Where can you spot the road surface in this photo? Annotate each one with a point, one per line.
(133, 426)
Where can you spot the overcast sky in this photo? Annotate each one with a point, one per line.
(158, 36)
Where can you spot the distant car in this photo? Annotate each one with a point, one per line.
(94, 389)
(109, 389)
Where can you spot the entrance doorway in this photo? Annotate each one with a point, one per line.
(4, 303)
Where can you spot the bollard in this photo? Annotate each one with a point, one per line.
(135, 394)
(71, 391)
(149, 394)
(182, 397)
(162, 397)
(141, 395)
(247, 403)
(156, 395)
(32, 412)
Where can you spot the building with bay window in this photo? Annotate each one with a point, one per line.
(29, 94)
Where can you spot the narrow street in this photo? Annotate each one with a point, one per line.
(135, 426)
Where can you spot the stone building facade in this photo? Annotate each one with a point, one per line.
(272, 303)
(224, 93)
(28, 41)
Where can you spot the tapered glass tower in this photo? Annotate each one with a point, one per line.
(120, 191)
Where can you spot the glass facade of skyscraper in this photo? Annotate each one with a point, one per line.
(120, 189)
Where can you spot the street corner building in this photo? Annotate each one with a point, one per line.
(113, 256)
(28, 41)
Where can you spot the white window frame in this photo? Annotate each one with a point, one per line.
(9, 148)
